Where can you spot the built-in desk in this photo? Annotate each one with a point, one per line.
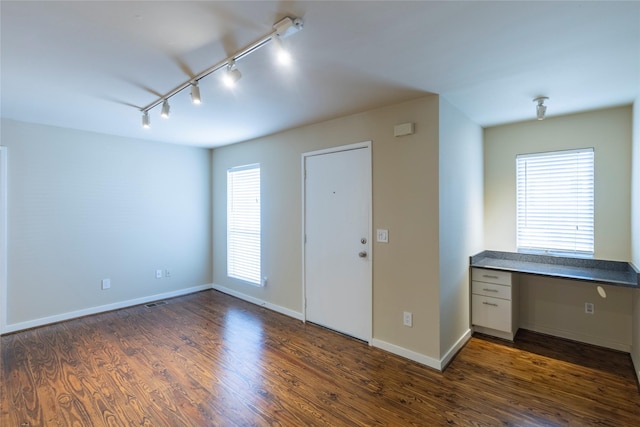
(591, 270)
(494, 284)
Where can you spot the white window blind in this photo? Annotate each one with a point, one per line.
(555, 202)
(243, 223)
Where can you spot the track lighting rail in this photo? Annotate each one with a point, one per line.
(222, 64)
(283, 28)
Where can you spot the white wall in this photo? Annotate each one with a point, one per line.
(461, 218)
(559, 305)
(85, 206)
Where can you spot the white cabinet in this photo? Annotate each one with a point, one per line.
(494, 303)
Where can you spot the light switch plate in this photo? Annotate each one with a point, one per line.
(106, 284)
(382, 236)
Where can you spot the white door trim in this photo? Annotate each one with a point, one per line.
(365, 144)
(3, 239)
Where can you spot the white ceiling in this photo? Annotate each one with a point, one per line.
(92, 65)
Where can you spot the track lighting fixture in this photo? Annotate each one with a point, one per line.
(195, 93)
(282, 29)
(232, 75)
(165, 109)
(541, 109)
(145, 120)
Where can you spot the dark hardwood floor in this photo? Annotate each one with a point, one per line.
(208, 359)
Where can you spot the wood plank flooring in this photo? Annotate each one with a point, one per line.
(208, 359)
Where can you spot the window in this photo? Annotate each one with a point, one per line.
(555, 202)
(243, 223)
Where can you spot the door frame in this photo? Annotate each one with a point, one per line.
(349, 147)
(3, 239)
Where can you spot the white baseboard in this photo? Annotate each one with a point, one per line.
(258, 301)
(584, 338)
(15, 327)
(439, 365)
(409, 354)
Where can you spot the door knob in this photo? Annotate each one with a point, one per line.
(362, 254)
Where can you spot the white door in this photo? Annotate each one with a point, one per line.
(338, 289)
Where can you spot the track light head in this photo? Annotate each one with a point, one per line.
(541, 109)
(146, 123)
(282, 54)
(232, 75)
(165, 109)
(195, 93)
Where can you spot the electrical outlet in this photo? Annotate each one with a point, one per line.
(158, 274)
(106, 284)
(408, 319)
(589, 308)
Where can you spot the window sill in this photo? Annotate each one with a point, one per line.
(575, 255)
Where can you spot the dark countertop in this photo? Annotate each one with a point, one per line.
(599, 271)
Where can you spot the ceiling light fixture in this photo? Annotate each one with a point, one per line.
(195, 93)
(165, 109)
(232, 75)
(145, 120)
(282, 29)
(541, 109)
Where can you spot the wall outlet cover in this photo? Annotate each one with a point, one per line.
(589, 308)
(407, 319)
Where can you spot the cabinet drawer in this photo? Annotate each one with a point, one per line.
(491, 290)
(493, 313)
(491, 276)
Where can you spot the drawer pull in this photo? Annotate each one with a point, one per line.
(490, 277)
(489, 290)
(490, 303)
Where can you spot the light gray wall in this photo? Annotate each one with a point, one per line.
(85, 206)
(461, 218)
(556, 306)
